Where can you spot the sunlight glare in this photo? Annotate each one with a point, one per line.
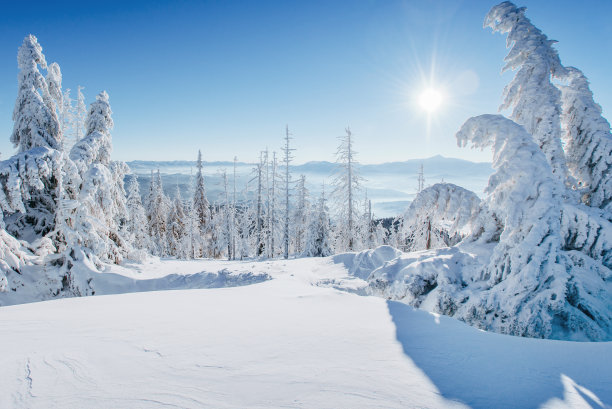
(430, 100)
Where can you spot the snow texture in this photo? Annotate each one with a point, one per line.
(285, 342)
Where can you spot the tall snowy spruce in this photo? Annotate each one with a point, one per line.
(201, 208)
(36, 122)
(177, 229)
(101, 191)
(318, 235)
(301, 215)
(588, 142)
(347, 184)
(287, 158)
(30, 178)
(158, 207)
(535, 101)
(137, 218)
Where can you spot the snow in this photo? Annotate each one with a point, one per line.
(292, 341)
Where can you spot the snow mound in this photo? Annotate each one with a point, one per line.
(363, 263)
(75, 274)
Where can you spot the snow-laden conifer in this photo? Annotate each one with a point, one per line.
(301, 215)
(588, 141)
(157, 216)
(177, 233)
(96, 146)
(35, 122)
(439, 216)
(201, 209)
(535, 101)
(318, 235)
(137, 218)
(347, 184)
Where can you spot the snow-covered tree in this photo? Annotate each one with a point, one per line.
(318, 235)
(137, 218)
(347, 184)
(157, 214)
(80, 115)
(177, 232)
(96, 146)
(550, 278)
(54, 84)
(67, 120)
(36, 123)
(588, 141)
(287, 158)
(30, 179)
(301, 215)
(535, 101)
(439, 216)
(201, 207)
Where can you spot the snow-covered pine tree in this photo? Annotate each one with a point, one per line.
(439, 216)
(287, 158)
(67, 121)
(80, 116)
(347, 184)
(301, 215)
(234, 220)
(543, 263)
(29, 179)
(259, 216)
(157, 216)
(245, 220)
(102, 188)
(588, 142)
(318, 235)
(137, 218)
(201, 207)
(36, 124)
(177, 231)
(96, 146)
(535, 101)
(54, 84)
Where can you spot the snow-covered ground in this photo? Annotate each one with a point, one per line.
(307, 337)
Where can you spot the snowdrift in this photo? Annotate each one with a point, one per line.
(278, 344)
(75, 275)
(449, 281)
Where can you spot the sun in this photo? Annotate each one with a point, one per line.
(430, 100)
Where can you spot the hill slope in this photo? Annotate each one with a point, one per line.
(293, 341)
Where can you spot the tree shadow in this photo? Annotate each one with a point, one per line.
(488, 370)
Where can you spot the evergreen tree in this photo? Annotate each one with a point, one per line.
(301, 215)
(80, 115)
(157, 217)
(535, 101)
(177, 232)
(318, 237)
(201, 207)
(36, 124)
(347, 184)
(287, 158)
(67, 120)
(137, 218)
(588, 142)
(30, 179)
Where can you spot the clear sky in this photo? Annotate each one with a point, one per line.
(226, 76)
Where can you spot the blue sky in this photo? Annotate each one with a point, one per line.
(226, 76)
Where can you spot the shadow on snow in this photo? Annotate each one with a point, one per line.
(487, 370)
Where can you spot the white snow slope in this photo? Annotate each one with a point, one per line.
(298, 340)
